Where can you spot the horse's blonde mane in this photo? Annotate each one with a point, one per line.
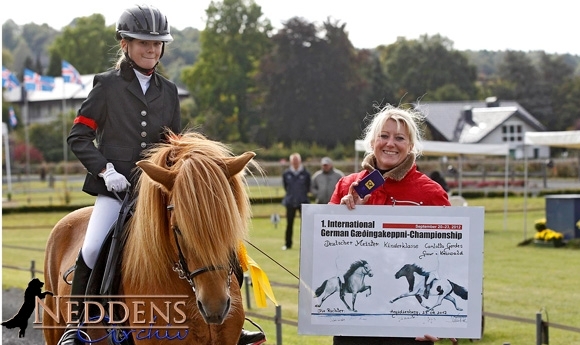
(211, 210)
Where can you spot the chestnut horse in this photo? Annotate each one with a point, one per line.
(191, 214)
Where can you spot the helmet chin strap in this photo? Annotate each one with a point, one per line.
(133, 64)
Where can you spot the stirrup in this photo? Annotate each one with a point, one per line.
(71, 335)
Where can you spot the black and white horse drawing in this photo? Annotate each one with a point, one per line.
(352, 282)
(441, 288)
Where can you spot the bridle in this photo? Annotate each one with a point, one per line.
(181, 267)
(367, 271)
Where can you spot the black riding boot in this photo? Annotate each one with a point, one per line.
(79, 286)
(247, 337)
(251, 338)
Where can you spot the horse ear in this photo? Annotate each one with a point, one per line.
(235, 165)
(158, 174)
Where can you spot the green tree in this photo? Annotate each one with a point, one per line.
(422, 66)
(28, 63)
(519, 69)
(528, 87)
(567, 105)
(377, 89)
(9, 36)
(87, 44)
(37, 37)
(448, 92)
(183, 51)
(232, 43)
(22, 59)
(48, 138)
(313, 89)
(7, 59)
(554, 69)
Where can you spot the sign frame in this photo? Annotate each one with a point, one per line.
(444, 240)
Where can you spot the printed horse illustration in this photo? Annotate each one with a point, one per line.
(191, 214)
(352, 282)
(442, 288)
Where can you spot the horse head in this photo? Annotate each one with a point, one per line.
(361, 265)
(206, 217)
(367, 269)
(403, 272)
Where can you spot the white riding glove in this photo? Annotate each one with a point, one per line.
(113, 180)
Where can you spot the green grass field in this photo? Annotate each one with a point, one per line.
(519, 281)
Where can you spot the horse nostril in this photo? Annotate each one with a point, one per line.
(228, 306)
(201, 310)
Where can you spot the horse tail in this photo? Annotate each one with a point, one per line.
(458, 290)
(320, 289)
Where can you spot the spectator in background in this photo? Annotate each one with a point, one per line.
(296, 181)
(324, 181)
(437, 177)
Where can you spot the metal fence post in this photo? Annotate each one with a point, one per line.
(538, 328)
(278, 321)
(248, 281)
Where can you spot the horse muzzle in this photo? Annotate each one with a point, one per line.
(214, 314)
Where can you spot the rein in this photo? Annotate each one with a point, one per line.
(181, 265)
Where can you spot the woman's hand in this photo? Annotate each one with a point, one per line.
(352, 198)
(428, 337)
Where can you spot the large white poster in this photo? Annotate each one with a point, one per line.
(401, 271)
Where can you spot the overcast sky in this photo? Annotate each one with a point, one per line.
(477, 25)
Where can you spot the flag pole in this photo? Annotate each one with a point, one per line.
(7, 155)
(64, 135)
(26, 138)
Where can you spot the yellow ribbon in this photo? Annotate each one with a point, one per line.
(260, 281)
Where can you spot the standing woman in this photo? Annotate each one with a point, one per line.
(129, 109)
(392, 141)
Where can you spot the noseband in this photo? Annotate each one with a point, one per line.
(181, 265)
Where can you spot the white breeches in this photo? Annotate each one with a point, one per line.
(105, 213)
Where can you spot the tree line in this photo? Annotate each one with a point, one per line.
(305, 83)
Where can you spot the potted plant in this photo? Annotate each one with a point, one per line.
(545, 237)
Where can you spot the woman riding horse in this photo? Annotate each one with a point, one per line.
(190, 218)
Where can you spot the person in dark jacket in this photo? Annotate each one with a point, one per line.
(130, 108)
(392, 142)
(296, 181)
(437, 177)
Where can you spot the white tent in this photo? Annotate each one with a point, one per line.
(459, 150)
(565, 139)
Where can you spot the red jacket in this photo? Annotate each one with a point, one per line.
(401, 188)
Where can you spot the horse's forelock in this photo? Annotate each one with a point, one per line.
(212, 212)
(207, 211)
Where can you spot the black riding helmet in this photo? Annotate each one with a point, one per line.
(144, 23)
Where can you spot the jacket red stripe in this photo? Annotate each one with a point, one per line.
(86, 121)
